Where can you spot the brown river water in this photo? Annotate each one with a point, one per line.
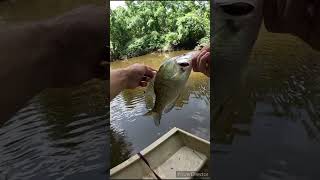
(131, 131)
(61, 134)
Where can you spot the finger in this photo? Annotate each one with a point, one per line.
(150, 68)
(194, 61)
(143, 83)
(209, 59)
(198, 61)
(203, 65)
(207, 49)
(149, 72)
(146, 78)
(209, 66)
(200, 56)
(154, 73)
(195, 65)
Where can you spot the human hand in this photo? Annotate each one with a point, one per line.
(201, 61)
(138, 75)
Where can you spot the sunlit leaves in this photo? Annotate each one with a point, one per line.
(145, 26)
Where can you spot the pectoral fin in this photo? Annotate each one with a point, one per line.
(170, 106)
(155, 116)
(150, 95)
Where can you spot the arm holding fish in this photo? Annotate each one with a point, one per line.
(201, 61)
(129, 78)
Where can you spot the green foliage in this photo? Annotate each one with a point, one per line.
(145, 26)
(172, 38)
(190, 29)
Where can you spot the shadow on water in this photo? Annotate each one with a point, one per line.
(59, 133)
(120, 148)
(272, 129)
(135, 131)
(281, 77)
(16, 11)
(70, 106)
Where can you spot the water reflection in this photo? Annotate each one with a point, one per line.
(120, 147)
(191, 111)
(284, 81)
(273, 123)
(59, 134)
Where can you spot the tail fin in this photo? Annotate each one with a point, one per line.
(155, 116)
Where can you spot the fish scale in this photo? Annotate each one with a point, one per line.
(168, 84)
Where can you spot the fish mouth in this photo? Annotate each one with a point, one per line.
(184, 61)
(184, 66)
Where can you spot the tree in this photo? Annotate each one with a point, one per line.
(145, 26)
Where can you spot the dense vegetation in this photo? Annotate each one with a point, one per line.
(146, 26)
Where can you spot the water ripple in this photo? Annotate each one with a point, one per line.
(131, 131)
(58, 134)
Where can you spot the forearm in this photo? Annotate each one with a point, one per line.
(24, 69)
(118, 80)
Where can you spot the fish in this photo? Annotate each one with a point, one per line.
(165, 88)
(237, 25)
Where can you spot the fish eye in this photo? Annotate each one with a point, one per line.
(237, 9)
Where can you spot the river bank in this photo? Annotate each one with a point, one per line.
(164, 50)
(142, 27)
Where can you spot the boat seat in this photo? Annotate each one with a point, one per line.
(185, 159)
